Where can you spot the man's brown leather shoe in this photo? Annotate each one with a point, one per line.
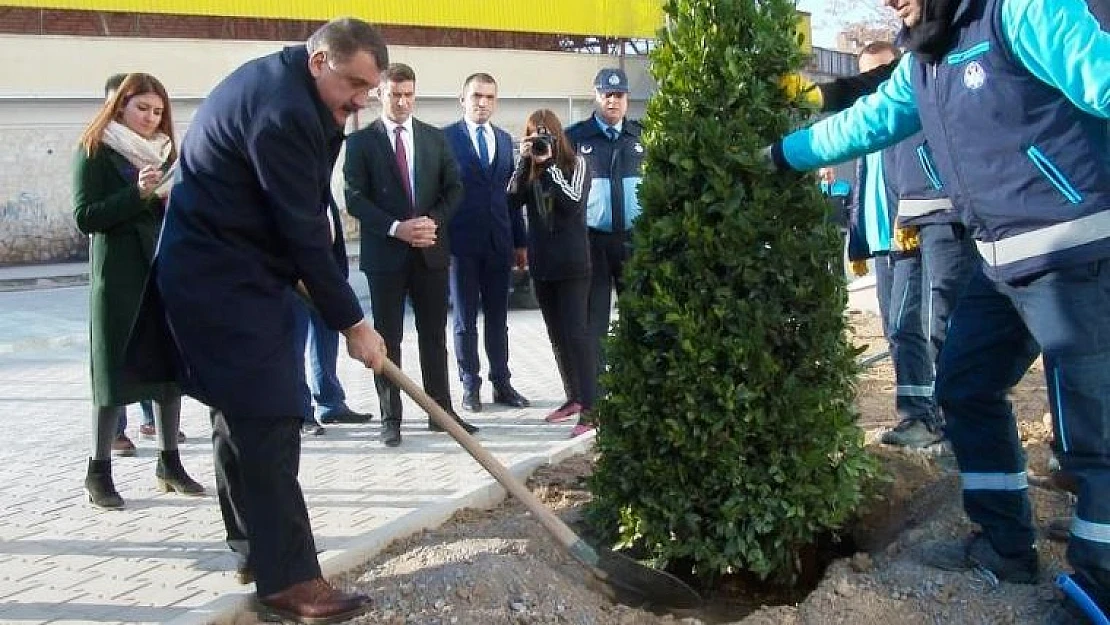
(315, 602)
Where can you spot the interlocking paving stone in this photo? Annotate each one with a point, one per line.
(163, 558)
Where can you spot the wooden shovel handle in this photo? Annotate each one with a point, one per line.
(552, 523)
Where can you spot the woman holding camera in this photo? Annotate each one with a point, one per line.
(553, 183)
(120, 182)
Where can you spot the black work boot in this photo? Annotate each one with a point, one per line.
(171, 476)
(977, 553)
(99, 487)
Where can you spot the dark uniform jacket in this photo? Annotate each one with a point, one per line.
(617, 167)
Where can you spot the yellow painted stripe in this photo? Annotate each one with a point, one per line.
(611, 18)
(805, 31)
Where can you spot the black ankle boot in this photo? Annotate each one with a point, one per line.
(172, 477)
(99, 487)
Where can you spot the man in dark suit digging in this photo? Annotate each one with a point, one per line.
(246, 224)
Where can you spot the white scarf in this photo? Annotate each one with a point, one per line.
(140, 151)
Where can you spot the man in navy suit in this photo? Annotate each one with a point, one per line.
(245, 229)
(486, 239)
(402, 184)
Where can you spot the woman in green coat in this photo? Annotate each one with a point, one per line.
(119, 188)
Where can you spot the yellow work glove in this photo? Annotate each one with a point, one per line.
(859, 268)
(799, 88)
(906, 238)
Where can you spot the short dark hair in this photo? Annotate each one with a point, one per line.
(398, 72)
(879, 47)
(479, 77)
(113, 83)
(345, 37)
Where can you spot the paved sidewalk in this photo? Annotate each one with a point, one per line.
(162, 559)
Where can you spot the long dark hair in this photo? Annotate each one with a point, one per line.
(135, 84)
(562, 151)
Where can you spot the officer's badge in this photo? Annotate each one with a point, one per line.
(586, 149)
(614, 80)
(639, 148)
(974, 75)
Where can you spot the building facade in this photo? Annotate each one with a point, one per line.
(57, 61)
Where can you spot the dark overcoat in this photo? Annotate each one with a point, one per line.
(246, 221)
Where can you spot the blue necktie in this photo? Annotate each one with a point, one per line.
(483, 148)
(611, 133)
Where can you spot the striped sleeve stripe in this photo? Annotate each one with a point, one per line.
(513, 180)
(913, 391)
(573, 190)
(1088, 530)
(994, 481)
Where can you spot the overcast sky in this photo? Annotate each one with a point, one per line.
(826, 25)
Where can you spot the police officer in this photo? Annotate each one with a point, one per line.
(1014, 114)
(611, 145)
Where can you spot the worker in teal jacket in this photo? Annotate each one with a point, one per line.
(1013, 97)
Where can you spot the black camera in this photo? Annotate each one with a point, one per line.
(543, 143)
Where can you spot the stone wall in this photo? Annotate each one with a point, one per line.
(36, 216)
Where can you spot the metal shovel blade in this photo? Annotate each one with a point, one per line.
(620, 572)
(651, 585)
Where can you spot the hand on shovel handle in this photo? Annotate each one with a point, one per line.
(365, 345)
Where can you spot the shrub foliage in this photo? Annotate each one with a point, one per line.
(727, 439)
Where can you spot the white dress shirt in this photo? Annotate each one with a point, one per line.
(410, 154)
(491, 139)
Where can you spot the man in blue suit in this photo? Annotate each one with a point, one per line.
(246, 229)
(486, 237)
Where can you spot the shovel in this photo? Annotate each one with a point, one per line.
(619, 572)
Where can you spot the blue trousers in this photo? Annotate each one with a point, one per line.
(321, 343)
(481, 281)
(884, 285)
(608, 253)
(902, 277)
(148, 416)
(949, 255)
(995, 333)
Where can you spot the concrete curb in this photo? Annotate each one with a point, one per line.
(45, 342)
(861, 283)
(34, 284)
(484, 495)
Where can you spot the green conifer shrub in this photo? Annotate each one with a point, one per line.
(727, 439)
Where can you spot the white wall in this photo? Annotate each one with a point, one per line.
(53, 85)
